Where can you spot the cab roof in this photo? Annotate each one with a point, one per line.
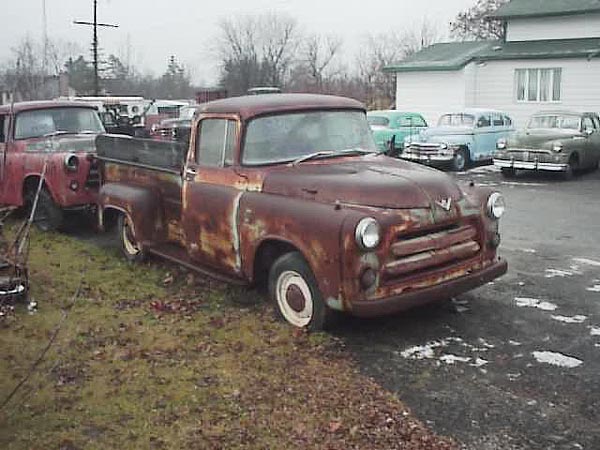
(250, 106)
(43, 104)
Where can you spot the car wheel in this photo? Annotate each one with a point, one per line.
(130, 247)
(48, 215)
(508, 172)
(572, 166)
(295, 293)
(460, 160)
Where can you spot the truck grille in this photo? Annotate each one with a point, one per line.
(430, 250)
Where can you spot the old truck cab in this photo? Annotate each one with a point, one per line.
(56, 134)
(290, 191)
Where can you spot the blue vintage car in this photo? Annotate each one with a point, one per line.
(459, 139)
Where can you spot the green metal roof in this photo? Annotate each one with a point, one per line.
(442, 57)
(456, 55)
(542, 8)
(558, 48)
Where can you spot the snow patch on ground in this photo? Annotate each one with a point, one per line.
(428, 351)
(553, 273)
(514, 343)
(557, 359)
(528, 250)
(574, 319)
(524, 302)
(594, 288)
(595, 331)
(587, 262)
(451, 359)
(520, 183)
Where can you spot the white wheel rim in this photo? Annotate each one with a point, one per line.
(292, 283)
(130, 247)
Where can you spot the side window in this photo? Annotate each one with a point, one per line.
(215, 142)
(588, 124)
(3, 123)
(497, 120)
(483, 122)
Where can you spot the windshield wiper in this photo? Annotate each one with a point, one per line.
(56, 133)
(328, 153)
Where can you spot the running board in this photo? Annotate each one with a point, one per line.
(178, 255)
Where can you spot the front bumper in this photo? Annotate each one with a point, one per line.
(426, 157)
(446, 290)
(531, 165)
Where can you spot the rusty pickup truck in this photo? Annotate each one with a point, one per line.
(290, 192)
(53, 140)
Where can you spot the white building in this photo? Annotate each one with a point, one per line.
(550, 59)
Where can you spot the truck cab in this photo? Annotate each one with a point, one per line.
(290, 191)
(57, 135)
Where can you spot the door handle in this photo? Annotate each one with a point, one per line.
(190, 173)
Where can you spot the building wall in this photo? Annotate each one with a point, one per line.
(494, 84)
(565, 27)
(431, 93)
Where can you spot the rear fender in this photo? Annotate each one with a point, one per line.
(142, 205)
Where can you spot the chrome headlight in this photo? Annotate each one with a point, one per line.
(557, 147)
(501, 144)
(496, 205)
(443, 146)
(368, 233)
(71, 163)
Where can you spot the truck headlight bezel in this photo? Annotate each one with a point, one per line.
(501, 144)
(368, 233)
(496, 206)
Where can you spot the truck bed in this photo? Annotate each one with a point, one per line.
(164, 156)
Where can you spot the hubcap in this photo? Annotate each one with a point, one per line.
(459, 161)
(129, 242)
(294, 298)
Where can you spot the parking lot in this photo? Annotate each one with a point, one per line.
(515, 363)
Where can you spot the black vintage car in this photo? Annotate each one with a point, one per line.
(557, 141)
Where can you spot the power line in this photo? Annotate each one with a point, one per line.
(95, 26)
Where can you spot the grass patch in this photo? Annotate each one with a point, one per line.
(151, 356)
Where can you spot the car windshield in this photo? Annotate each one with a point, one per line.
(456, 120)
(46, 122)
(289, 137)
(564, 122)
(378, 121)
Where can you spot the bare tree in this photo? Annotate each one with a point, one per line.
(319, 55)
(474, 23)
(384, 49)
(257, 50)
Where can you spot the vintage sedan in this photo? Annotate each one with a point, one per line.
(557, 141)
(460, 139)
(394, 125)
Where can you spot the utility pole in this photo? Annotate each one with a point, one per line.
(95, 24)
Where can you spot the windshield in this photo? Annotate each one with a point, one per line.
(456, 120)
(288, 137)
(555, 121)
(43, 122)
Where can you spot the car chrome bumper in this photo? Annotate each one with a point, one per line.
(531, 165)
(411, 156)
(442, 291)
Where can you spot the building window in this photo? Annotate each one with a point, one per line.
(538, 85)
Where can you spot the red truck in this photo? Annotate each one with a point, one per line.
(290, 191)
(60, 135)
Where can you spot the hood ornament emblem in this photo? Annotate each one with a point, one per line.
(445, 203)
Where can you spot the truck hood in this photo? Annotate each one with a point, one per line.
(538, 138)
(446, 131)
(376, 181)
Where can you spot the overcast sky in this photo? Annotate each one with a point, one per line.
(156, 29)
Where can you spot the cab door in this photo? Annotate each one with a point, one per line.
(212, 191)
(588, 128)
(484, 139)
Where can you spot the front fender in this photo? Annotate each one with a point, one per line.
(143, 205)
